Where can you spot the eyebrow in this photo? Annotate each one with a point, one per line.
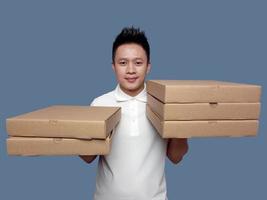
(136, 58)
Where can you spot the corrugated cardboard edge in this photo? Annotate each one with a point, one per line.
(155, 121)
(212, 128)
(156, 89)
(29, 146)
(203, 111)
(113, 121)
(156, 105)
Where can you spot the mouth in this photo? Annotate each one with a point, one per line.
(131, 79)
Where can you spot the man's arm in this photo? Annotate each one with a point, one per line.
(88, 159)
(176, 149)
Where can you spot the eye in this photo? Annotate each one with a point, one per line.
(122, 62)
(139, 63)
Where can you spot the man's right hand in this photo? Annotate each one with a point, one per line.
(88, 159)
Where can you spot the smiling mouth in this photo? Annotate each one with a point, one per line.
(131, 80)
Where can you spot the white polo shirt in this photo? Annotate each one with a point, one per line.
(134, 169)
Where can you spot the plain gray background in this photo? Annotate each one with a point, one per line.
(59, 52)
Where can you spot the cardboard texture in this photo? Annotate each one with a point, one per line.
(30, 146)
(203, 111)
(206, 91)
(84, 122)
(202, 128)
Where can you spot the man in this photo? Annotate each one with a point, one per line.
(134, 169)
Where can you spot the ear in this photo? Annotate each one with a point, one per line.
(148, 68)
(113, 66)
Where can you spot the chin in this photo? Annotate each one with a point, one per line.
(132, 87)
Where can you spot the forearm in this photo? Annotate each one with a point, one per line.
(176, 149)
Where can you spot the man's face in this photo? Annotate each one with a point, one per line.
(131, 66)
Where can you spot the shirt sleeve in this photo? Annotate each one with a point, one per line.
(95, 102)
(92, 103)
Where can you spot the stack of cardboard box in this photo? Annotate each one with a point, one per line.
(62, 130)
(184, 108)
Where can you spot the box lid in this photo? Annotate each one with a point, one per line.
(65, 121)
(189, 91)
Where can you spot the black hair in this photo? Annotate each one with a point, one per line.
(131, 35)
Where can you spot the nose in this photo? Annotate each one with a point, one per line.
(130, 68)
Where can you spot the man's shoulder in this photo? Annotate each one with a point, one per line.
(105, 99)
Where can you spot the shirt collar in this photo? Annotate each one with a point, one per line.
(122, 96)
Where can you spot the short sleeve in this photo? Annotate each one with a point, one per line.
(93, 102)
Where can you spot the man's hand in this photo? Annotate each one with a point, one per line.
(176, 149)
(88, 159)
